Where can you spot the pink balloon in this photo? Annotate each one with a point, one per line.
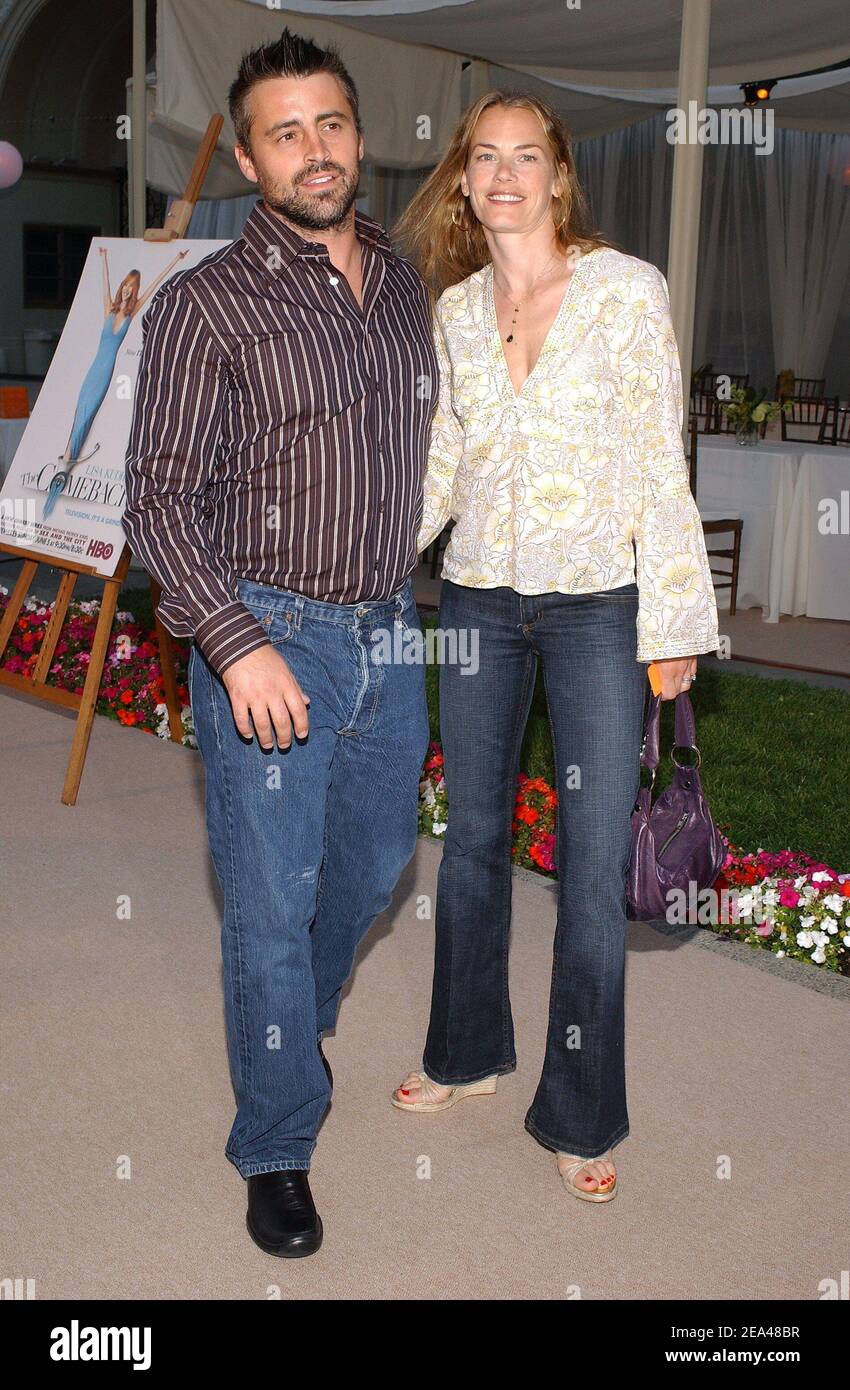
(11, 164)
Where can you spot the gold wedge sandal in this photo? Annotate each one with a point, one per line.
(602, 1192)
(485, 1087)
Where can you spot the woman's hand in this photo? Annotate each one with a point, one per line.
(674, 672)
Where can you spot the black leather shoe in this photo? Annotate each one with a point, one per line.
(282, 1217)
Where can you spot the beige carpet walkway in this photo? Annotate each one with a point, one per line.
(112, 1044)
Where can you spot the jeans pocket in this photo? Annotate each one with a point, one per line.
(408, 616)
(281, 626)
(276, 622)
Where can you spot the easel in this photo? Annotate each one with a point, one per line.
(175, 226)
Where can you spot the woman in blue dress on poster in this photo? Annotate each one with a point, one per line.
(119, 312)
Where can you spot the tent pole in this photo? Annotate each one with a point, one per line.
(683, 249)
(138, 131)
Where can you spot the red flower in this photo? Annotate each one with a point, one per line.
(527, 814)
(127, 697)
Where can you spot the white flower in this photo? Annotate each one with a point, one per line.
(821, 877)
(804, 939)
(833, 902)
(818, 956)
(779, 955)
(831, 925)
(438, 827)
(846, 939)
(429, 796)
(770, 897)
(800, 882)
(807, 921)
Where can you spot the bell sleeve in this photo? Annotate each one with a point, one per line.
(677, 610)
(445, 450)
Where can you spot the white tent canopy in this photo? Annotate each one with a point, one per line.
(603, 66)
(199, 43)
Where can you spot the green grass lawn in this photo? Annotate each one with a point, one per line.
(775, 754)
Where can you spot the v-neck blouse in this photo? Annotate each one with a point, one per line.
(579, 483)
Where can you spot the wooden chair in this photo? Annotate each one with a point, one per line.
(703, 408)
(720, 526)
(708, 381)
(809, 419)
(841, 426)
(704, 402)
(803, 386)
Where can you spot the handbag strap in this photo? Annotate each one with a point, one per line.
(684, 731)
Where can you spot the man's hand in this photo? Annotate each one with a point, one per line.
(673, 671)
(263, 689)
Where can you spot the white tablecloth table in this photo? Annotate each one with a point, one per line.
(817, 580)
(787, 565)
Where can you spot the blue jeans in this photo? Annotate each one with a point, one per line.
(308, 844)
(595, 692)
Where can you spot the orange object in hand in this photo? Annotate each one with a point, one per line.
(654, 675)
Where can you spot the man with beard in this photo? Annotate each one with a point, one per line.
(274, 476)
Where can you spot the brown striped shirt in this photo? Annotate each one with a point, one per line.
(279, 432)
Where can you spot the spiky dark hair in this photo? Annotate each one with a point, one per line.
(289, 56)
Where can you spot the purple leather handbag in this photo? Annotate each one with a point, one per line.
(675, 842)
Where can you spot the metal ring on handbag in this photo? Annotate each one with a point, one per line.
(695, 749)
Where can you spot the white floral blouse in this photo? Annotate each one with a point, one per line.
(549, 488)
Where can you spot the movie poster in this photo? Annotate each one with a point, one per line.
(64, 494)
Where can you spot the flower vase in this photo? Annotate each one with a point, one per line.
(747, 433)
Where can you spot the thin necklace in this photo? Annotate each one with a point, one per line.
(518, 306)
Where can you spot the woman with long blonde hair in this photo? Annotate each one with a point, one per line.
(556, 448)
(119, 311)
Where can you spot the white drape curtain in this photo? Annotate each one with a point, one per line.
(392, 191)
(773, 289)
(627, 177)
(773, 286)
(807, 201)
(219, 218)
